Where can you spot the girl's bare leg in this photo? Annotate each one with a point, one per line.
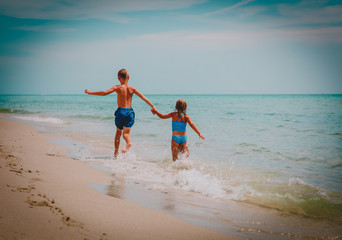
(117, 141)
(185, 149)
(127, 138)
(174, 150)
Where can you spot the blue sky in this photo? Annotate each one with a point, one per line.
(171, 46)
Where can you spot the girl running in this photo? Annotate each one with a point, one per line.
(179, 121)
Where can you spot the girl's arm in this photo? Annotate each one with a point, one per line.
(101, 93)
(193, 126)
(162, 116)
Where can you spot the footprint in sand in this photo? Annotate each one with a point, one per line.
(37, 203)
(71, 223)
(24, 189)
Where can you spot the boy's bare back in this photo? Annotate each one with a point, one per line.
(124, 95)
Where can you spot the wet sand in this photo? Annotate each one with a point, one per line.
(46, 195)
(233, 218)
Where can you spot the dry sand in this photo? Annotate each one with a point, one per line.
(45, 195)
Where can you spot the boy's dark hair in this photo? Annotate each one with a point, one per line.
(123, 73)
(181, 106)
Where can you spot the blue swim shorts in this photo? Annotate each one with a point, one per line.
(124, 117)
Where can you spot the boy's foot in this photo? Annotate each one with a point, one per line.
(128, 145)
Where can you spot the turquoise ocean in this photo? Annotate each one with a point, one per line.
(276, 152)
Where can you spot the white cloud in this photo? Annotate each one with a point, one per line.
(45, 28)
(323, 35)
(275, 15)
(181, 41)
(310, 13)
(227, 9)
(221, 40)
(86, 9)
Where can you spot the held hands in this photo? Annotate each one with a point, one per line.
(153, 110)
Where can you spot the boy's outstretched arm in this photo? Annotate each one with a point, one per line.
(193, 126)
(145, 99)
(101, 93)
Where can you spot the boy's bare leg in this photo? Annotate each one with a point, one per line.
(117, 141)
(174, 150)
(127, 139)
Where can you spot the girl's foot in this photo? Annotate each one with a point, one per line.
(116, 153)
(186, 150)
(128, 145)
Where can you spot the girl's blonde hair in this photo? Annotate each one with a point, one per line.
(181, 106)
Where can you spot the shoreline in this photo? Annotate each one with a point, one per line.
(46, 195)
(233, 219)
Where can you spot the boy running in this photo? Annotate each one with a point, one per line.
(124, 115)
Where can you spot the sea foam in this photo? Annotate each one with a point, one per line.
(41, 119)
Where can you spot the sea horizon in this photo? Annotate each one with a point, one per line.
(178, 94)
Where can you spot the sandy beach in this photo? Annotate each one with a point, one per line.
(46, 195)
